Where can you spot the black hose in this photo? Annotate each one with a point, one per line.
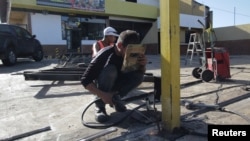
(30, 133)
(197, 134)
(211, 92)
(236, 113)
(99, 125)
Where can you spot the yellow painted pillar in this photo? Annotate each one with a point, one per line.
(170, 63)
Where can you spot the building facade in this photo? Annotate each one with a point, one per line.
(235, 39)
(71, 24)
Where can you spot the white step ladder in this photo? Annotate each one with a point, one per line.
(194, 46)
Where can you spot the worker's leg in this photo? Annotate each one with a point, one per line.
(128, 81)
(105, 83)
(125, 83)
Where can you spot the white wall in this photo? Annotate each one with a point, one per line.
(239, 32)
(152, 35)
(189, 21)
(47, 28)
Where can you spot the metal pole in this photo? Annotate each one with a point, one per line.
(234, 15)
(170, 63)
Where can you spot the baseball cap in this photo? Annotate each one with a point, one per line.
(110, 31)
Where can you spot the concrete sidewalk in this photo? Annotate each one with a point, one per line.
(51, 110)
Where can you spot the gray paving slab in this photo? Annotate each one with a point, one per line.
(51, 110)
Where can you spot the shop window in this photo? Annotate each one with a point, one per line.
(141, 27)
(135, 1)
(91, 29)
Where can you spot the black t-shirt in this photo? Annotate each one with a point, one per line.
(103, 58)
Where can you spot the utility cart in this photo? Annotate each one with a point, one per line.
(215, 65)
(215, 60)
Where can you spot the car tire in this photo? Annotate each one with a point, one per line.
(10, 57)
(38, 55)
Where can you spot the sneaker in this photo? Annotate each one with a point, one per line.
(101, 115)
(118, 104)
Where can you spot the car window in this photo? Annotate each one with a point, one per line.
(22, 33)
(25, 33)
(18, 32)
(4, 28)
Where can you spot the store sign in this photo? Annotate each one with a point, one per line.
(88, 5)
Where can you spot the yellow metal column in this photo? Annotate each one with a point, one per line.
(170, 63)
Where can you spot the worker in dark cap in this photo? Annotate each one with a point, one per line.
(104, 78)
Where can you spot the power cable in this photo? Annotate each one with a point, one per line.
(101, 126)
(230, 12)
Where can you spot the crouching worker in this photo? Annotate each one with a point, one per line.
(104, 78)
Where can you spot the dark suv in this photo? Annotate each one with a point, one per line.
(16, 42)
